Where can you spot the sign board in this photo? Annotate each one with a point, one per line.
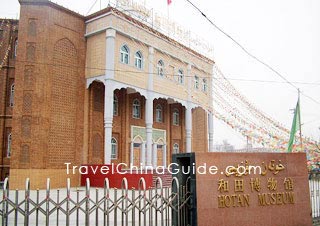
(243, 189)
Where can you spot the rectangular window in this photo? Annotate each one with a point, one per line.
(196, 82)
(176, 118)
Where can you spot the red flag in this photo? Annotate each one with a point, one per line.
(169, 2)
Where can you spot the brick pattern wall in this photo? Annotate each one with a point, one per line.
(8, 37)
(199, 130)
(48, 114)
(96, 137)
(62, 133)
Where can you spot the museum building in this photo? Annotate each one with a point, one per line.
(98, 89)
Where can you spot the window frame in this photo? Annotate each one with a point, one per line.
(124, 53)
(159, 113)
(15, 48)
(196, 82)
(176, 117)
(11, 100)
(9, 143)
(180, 76)
(138, 60)
(175, 148)
(160, 68)
(115, 105)
(114, 148)
(204, 85)
(136, 109)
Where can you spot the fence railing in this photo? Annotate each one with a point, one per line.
(314, 185)
(159, 206)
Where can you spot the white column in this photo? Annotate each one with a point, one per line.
(164, 156)
(189, 80)
(188, 117)
(149, 123)
(110, 52)
(149, 108)
(143, 154)
(155, 152)
(188, 129)
(210, 128)
(131, 153)
(108, 96)
(108, 117)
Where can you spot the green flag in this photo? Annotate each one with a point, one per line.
(295, 125)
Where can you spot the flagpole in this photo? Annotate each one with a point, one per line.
(300, 121)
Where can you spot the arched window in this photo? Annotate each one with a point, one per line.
(9, 141)
(115, 105)
(124, 54)
(175, 148)
(114, 148)
(180, 76)
(11, 101)
(136, 109)
(196, 82)
(204, 85)
(176, 117)
(15, 48)
(138, 60)
(160, 67)
(159, 113)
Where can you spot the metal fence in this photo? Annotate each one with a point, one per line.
(314, 185)
(157, 206)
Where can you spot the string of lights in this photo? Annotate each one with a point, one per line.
(252, 55)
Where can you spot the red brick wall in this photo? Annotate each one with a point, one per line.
(48, 113)
(8, 35)
(199, 130)
(96, 125)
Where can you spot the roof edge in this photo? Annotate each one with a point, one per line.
(144, 26)
(51, 4)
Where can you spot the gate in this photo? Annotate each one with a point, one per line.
(158, 206)
(314, 185)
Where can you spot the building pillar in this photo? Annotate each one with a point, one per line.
(110, 52)
(149, 108)
(108, 96)
(164, 155)
(188, 118)
(143, 154)
(210, 129)
(149, 123)
(155, 154)
(188, 122)
(108, 118)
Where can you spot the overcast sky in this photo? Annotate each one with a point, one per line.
(283, 33)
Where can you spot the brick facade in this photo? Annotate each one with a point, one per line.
(59, 116)
(8, 40)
